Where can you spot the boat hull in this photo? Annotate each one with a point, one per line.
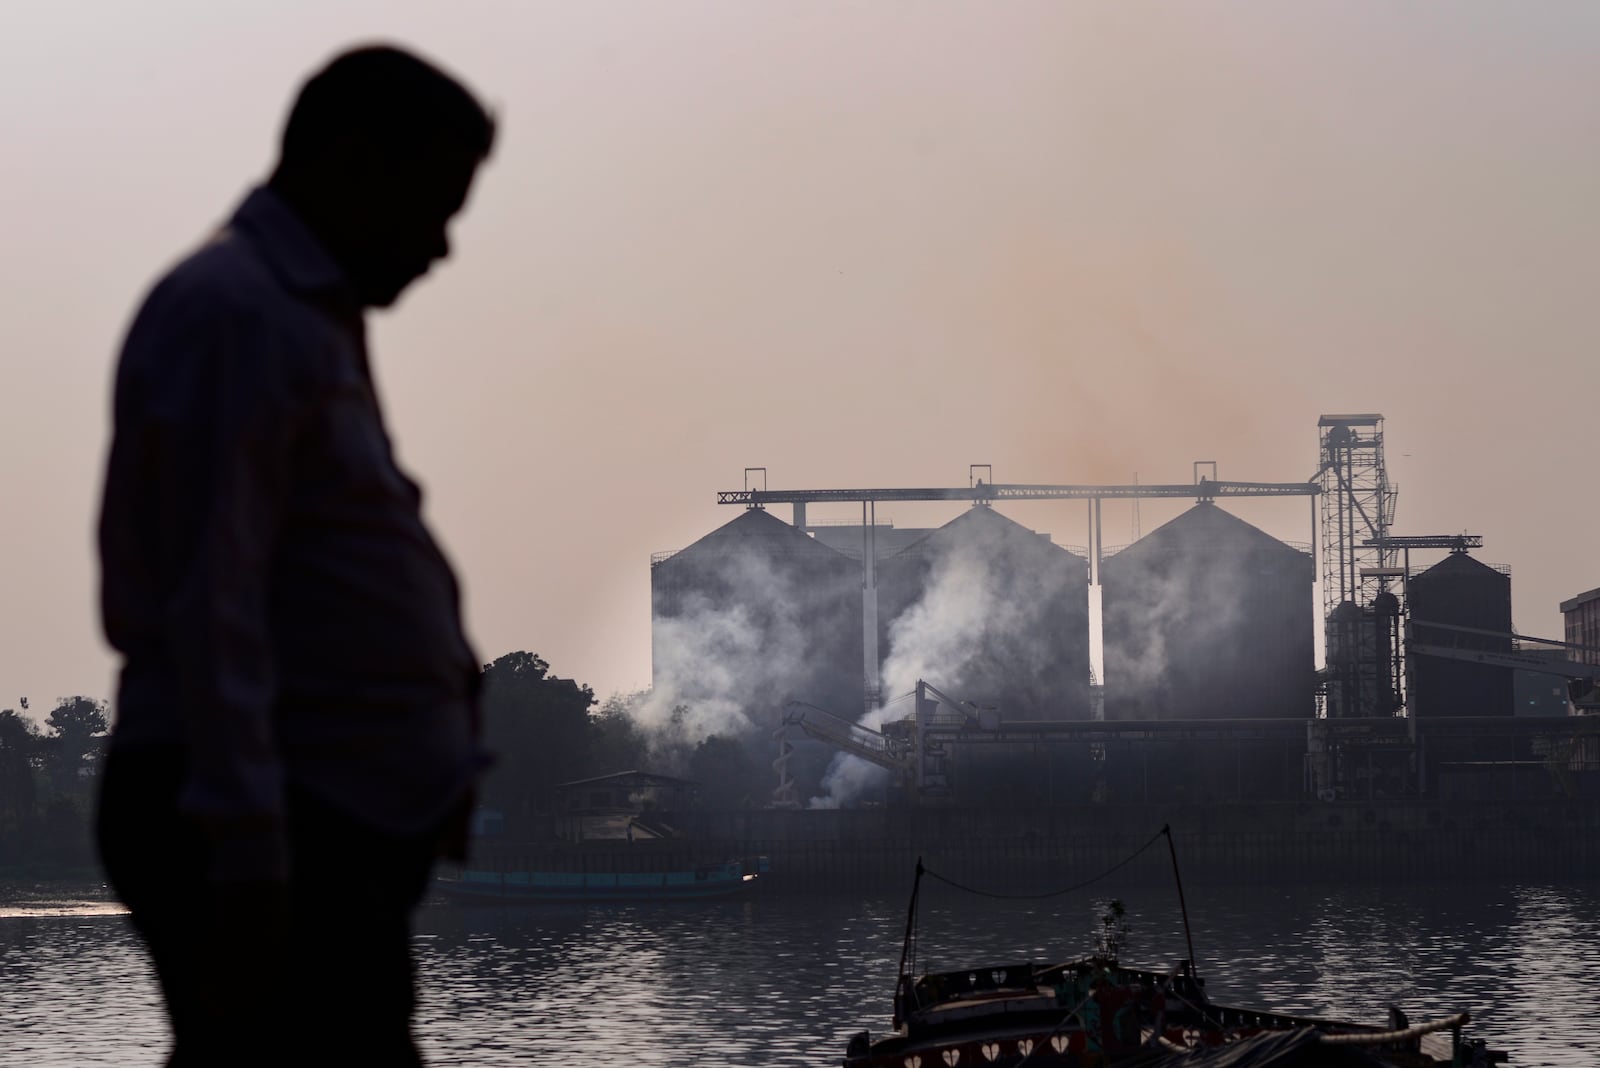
(1096, 1012)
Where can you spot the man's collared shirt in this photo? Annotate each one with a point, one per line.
(283, 612)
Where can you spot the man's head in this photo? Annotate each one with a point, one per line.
(378, 154)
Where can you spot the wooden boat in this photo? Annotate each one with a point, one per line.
(1095, 1011)
(704, 881)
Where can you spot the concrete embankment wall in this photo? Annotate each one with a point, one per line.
(1047, 848)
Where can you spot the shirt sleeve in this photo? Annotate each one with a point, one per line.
(218, 423)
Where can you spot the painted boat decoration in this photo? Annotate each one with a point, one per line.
(704, 881)
(1095, 1012)
(1098, 1012)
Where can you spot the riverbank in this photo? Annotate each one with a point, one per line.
(1365, 842)
(1328, 843)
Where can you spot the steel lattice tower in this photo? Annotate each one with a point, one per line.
(1358, 565)
(1358, 505)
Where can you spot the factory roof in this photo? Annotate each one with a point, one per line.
(985, 523)
(630, 779)
(756, 530)
(1582, 599)
(1460, 565)
(1206, 526)
(847, 537)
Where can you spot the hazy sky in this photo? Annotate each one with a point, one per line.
(857, 243)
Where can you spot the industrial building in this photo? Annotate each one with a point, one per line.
(853, 538)
(1208, 617)
(759, 613)
(1004, 613)
(1460, 592)
(1210, 692)
(1581, 616)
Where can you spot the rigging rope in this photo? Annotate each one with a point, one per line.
(1129, 859)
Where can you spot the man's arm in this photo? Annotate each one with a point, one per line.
(210, 400)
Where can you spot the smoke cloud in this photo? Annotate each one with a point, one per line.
(709, 663)
(757, 615)
(752, 617)
(966, 608)
(848, 780)
(994, 614)
(999, 617)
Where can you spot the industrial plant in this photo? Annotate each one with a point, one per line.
(890, 666)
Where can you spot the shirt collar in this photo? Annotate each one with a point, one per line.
(291, 250)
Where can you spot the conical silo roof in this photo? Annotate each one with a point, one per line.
(757, 531)
(1207, 530)
(1464, 592)
(1462, 566)
(987, 526)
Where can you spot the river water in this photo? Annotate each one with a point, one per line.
(785, 980)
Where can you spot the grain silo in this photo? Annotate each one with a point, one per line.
(992, 613)
(1461, 592)
(759, 613)
(1364, 658)
(1208, 617)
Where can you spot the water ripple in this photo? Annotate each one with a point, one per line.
(786, 981)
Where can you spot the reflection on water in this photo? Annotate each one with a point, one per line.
(67, 908)
(741, 983)
(785, 981)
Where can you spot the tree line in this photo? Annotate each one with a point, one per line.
(48, 781)
(541, 730)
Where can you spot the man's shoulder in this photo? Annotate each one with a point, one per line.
(222, 304)
(225, 292)
(225, 276)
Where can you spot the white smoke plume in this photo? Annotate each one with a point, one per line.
(965, 609)
(988, 612)
(1192, 588)
(987, 624)
(705, 661)
(1140, 662)
(739, 640)
(848, 780)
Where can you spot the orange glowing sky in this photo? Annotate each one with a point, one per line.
(856, 243)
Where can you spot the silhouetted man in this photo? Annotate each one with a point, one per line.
(295, 739)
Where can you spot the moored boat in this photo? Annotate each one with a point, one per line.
(1096, 1011)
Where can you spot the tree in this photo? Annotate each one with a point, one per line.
(20, 747)
(537, 727)
(76, 725)
(616, 743)
(76, 720)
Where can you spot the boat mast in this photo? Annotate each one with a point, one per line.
(1166, 829)
(906, 943)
